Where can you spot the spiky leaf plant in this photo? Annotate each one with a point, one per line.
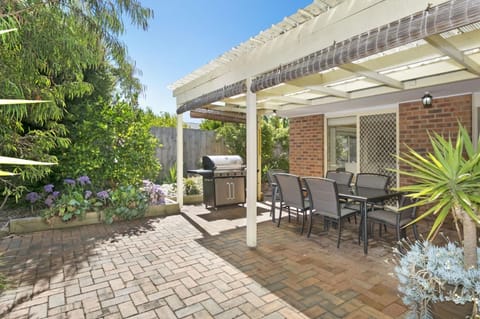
(447, 181)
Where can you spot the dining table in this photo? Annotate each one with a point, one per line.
(365, 196)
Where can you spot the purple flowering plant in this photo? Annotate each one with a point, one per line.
(155, 194)
(71, 202)
(77, 196)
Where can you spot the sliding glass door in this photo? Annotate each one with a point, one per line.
(363, 143)
(342, 143)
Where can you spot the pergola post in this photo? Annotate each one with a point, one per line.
(180, 160)
(251, 166)
(259, 158)
(475, 118)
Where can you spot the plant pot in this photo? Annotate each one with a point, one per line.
(451, 310)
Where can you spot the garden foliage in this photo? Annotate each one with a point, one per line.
(78, 196)
(274, 140)
(112, 145)
(66, 53)
(430, 273)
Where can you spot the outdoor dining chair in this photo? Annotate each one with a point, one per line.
(292, 196)
(372, 180)
(341, 177)
(275, 191)
(397, 218)
(369, 180)
(323, 195)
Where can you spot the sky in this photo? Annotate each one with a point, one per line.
(184, 35)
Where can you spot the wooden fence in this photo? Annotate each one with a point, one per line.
(196, 143)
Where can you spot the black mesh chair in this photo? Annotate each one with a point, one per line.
(396, 218)
(323, 195)
(372, 180)
(274, 187)
(292, 196)
(369, 180)
(341, 177)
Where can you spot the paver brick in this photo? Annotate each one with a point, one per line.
(75, 314)
(151, 305)
(174, 302)
(138, 298)
(56, 300)
(171, 270)
(165, 312)
(127, 309)
(188, 310)
(38, 311)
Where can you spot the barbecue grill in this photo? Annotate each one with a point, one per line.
(223, 180)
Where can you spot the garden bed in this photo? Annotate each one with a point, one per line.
(33, 224)
(189, 199)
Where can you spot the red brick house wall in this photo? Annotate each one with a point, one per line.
(442, 117)
(306, 145)
(307, 133)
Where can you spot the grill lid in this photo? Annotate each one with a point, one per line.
(223, 162)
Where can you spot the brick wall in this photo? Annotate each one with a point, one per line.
(306, 145)
(442, 117)
(307, 133)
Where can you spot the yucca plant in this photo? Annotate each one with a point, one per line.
(447, 181)
(446, 184)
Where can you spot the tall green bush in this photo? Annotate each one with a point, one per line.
(55, 54)
(111, 144)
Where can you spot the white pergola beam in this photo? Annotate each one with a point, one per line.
(320, 89)
(348, 19)
(288, 99)
(373, 75)
(228, 108)
(450, 50)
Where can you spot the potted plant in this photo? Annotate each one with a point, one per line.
(447, 184)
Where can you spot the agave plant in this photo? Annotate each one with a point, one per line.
(447, 184)
(447, 181)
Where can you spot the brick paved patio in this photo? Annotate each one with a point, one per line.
(195, 265)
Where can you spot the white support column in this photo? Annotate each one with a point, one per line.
(180, 160)
(475, 117)
(251, 167)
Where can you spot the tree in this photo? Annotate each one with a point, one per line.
(113, 145)
(163, 120)
(59, 46)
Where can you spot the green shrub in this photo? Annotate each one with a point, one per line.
(171, 178)
(127, 202)
(191, 187)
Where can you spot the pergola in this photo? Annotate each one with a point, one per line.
(336, 55)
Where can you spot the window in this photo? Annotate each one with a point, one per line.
(342, 143)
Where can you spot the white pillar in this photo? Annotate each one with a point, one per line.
(180, 160)
(475, 117)
(251, 167)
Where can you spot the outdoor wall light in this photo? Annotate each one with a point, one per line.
(427, 100)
